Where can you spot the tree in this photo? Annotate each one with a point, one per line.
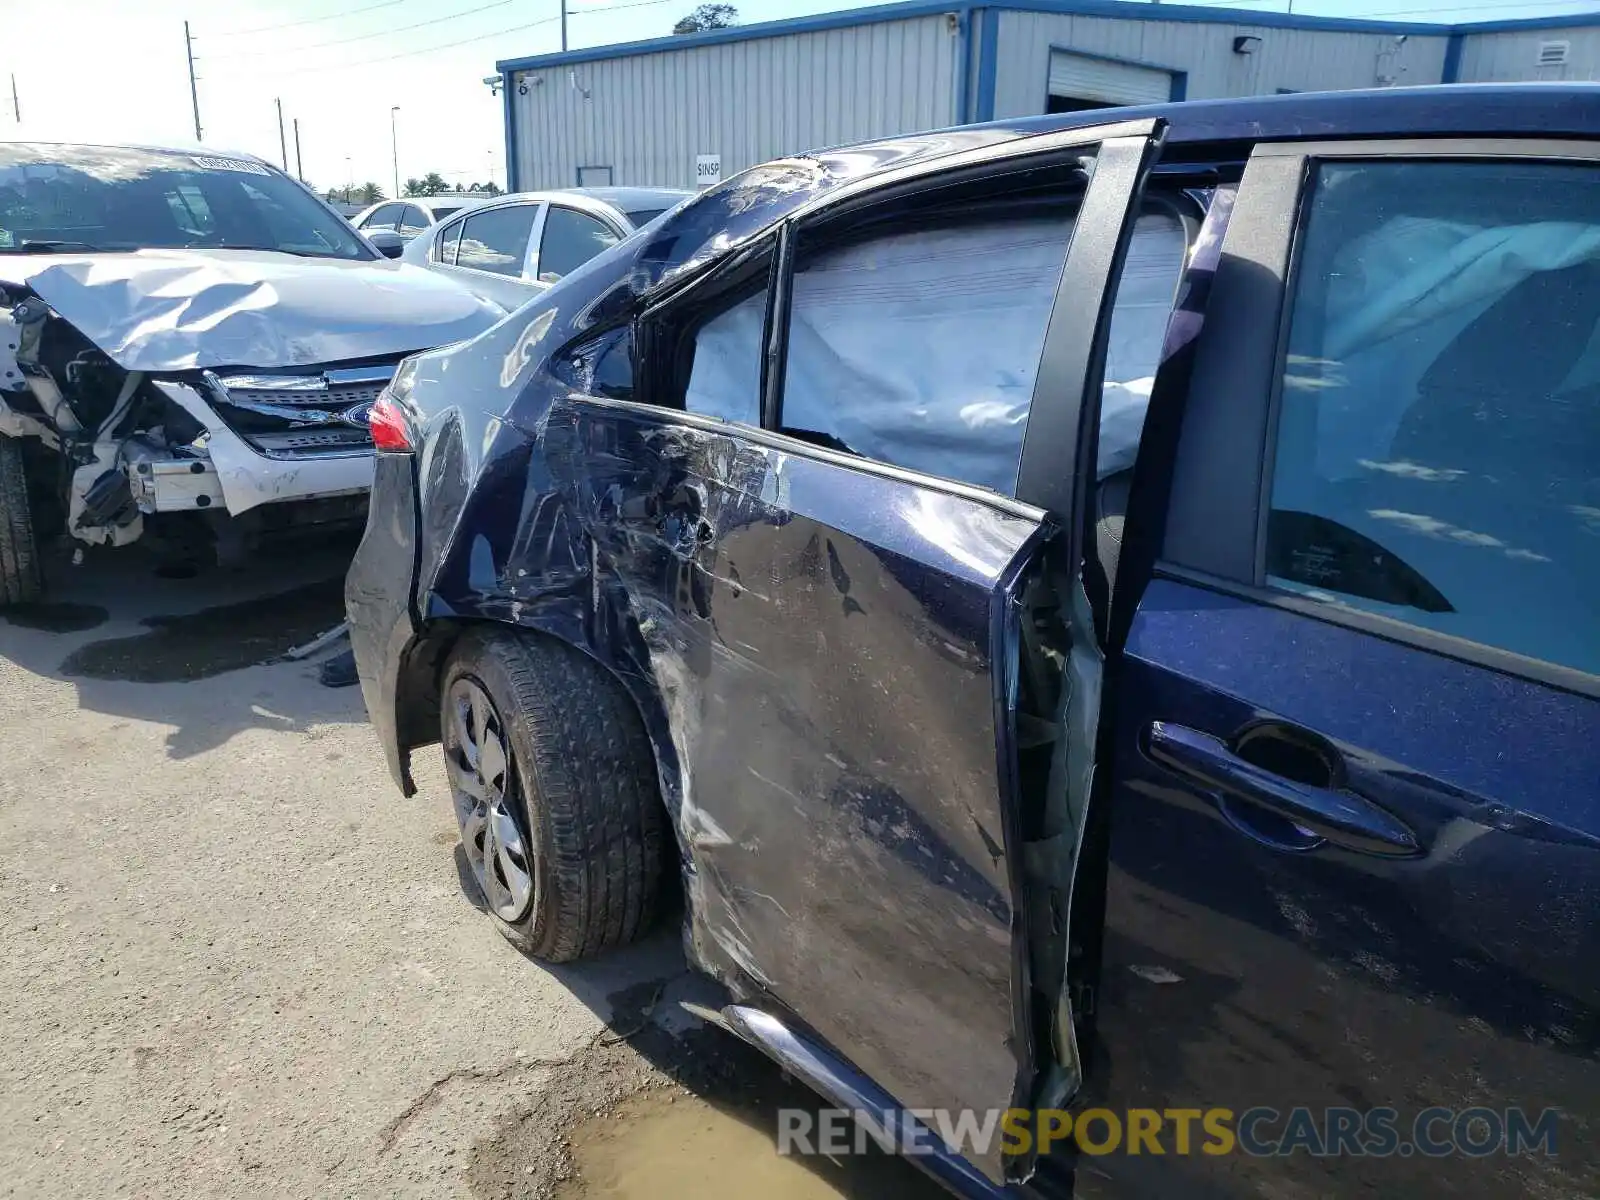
(708, 16)
(431, 184)
(370, 193)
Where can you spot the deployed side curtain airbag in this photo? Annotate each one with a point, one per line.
(921, 349)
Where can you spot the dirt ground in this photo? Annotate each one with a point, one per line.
(235, 962)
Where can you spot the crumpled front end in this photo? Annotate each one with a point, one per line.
(132, 444)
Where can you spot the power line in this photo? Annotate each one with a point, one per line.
(367, 62)
(605, 8)
(308, 21)
(362, 37)
(1406, 12)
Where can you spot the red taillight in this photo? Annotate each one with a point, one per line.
(389, 429)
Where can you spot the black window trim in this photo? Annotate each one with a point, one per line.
(1215, 533)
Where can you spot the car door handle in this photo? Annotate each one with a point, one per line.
(1329, 815)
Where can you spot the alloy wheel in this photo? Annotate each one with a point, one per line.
(484, 787)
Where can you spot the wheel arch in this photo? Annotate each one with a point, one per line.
(419, 691)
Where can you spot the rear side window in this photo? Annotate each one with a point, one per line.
(384, 216)
(705, 352)
(570, 239)
(413, 220)
(497, 240)
(1439, 429)
(725, 378)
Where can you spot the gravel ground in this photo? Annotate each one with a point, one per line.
(234, 961)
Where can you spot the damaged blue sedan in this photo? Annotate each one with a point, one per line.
(1099, 612)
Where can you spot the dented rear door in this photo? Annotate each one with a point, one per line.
(834, 639)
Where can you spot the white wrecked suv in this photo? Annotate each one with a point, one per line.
(189, 343)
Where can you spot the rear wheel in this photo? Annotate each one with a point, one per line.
(21, 581)
(554, 788)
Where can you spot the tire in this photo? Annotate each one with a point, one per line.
(579, 784)
(21, 581)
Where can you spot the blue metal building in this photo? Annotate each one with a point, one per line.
(673, 110)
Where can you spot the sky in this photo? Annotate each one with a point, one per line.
(115, 70)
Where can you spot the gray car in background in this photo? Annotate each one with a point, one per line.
(511, 249)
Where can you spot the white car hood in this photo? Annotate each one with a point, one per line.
(177, 310)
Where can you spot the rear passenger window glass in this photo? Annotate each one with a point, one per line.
(725, 380)
(1439, 427)
(497, 240)
(570, 239)
(919, 347)
(706, 352)
(413, 220)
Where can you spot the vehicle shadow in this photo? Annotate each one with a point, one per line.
(647, 995)
(196, 648)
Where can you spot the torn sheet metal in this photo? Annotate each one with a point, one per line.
(179, 310)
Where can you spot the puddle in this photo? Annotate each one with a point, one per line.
(56, 618)
(225, 638)
(662, 1145)
(662, 1116)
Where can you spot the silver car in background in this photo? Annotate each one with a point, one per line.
(391, 224)
(511, 249)
(190, 341)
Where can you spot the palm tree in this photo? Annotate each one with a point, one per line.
(370, 193)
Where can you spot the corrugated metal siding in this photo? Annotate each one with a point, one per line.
(646, 116)
(1084, 77)
(1299, 59)
(1509, 57)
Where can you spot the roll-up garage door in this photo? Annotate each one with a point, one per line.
(1079, 77)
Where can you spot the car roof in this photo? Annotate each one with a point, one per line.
(632, 198)
(1465, 110)
(723, 217)
(187, 151)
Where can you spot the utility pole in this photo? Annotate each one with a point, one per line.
(283, 146)
(16, 105)
(563, 26)
(299, 173)
(394, 146)
(194, 92)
